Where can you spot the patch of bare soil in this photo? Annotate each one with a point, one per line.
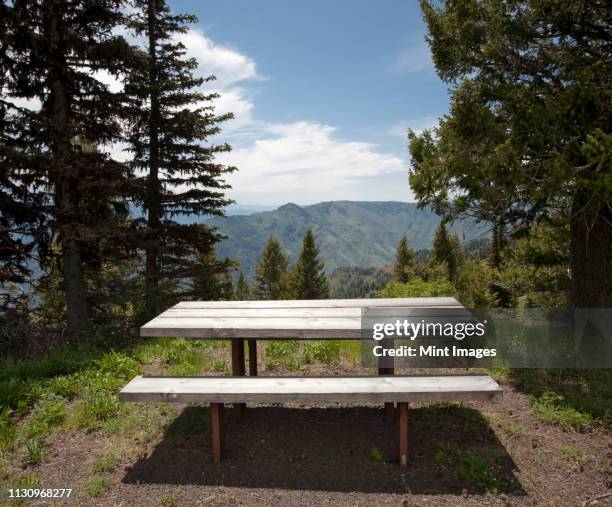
(322, 455)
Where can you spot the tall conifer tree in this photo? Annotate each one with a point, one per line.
(271, 272)
(404, 261)
(446, 250)
(172, 122)
(57, 47)
(309, 279)
(243, 291)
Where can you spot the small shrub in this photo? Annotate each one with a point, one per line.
(168, 501)
(220, 366)
(574, 453)
(283, 353)
(511, 428)
(469, 468)
(35, 451)
(8, 430)
(46, 416)
(95, 485)
(106, 464)
(326, 352)
(25, 481)
(376, 455)
(551, 408)
(95, 409)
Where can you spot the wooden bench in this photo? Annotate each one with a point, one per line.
(402, 390)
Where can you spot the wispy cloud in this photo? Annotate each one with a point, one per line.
(307, 162)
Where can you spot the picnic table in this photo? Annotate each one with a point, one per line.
(334, 319)
(314, 319)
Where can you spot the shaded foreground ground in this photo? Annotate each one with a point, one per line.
(494, 453)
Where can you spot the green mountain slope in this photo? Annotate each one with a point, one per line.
(348, 233)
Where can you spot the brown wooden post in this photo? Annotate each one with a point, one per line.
(403, 435)
(252, 357)
(216, 419)
(387, 370)
(238, 366)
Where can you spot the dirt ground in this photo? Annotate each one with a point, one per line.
(322, 455)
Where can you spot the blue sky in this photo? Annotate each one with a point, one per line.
(323, 92)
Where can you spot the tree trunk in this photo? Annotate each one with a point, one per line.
(65, 176)
(497, 243)
(591, 252)
(152, 192)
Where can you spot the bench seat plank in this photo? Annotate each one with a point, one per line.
(435, 388)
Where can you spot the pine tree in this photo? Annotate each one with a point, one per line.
(446, 250)
(172, 122)
(404, 261)
(309, 280)
(271, 272)
(211, 279)
(243, 291)
(56, 48)
(527, 135)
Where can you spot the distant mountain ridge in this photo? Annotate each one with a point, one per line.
(348, 233)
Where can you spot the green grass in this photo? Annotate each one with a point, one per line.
(95, 485)
(35, 451)
(24, 481)
(106, 464)
(283, 353)
(574, 454)
(511, 428)
(376, 455)
(326, 352)
(472, 469)
(573, 399)
(45, 417)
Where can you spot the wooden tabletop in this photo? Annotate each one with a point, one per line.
(291, 319)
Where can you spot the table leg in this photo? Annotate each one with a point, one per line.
(216, 418)
(252, 357)
(403, 435)
(238, 367)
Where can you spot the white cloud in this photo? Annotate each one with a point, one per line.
(114, 84)
(228, 65)
(305, 162)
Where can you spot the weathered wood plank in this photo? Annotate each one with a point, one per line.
(437, 388)
(299, 313)
(422, 302)
(265, 328)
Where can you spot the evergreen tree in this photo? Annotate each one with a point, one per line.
(446, 250)
(57, 48)
(211, 280)
(271, 272)
(404, 261)
(243, 291)
(171, 123)
(528, 131)
(309, 280)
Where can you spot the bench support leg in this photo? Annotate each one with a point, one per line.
(389, 407)
(216, 418)
(238, 367)
(252, 357)
(403, 435)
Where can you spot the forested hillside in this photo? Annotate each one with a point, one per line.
(362, 234)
